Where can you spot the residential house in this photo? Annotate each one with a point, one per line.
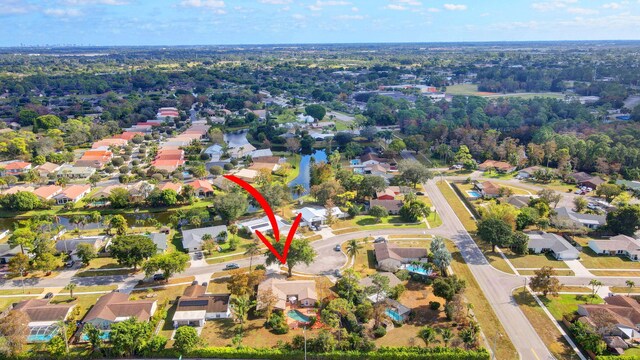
(617, 245)
(387, 194)
(115, 307)
(618, 316)
(298, 293)
(17, 189)
(520, 201)
(247, 175)
(527, 173)
(241, 151)
(167, 165)
(43, 317)
(48, 168)
(264, 225)
(175, 186)
(129, 135)
(140, 191)
(202, 188)
(488, 189)
(70, 246)
(260, 153)
(257, 166)
(15, 168)
(584, 179)
(167, 113)
(160, 239)
(170, 154)
(95, 158)
(192, 239)
(7, 252)
(557, 246)
(393, 206)
(195, 306)
(107, 143)
(370, 159)
(72, 193)
(381, 169)
(101, 196)
(391, 257)
(316, 216)
(566, 217)
(215, 152)
(500, 166)
(629, 185)
(222, 183)
(47, 192)
(76, 172)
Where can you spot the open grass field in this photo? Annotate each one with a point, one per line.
(533, 260)
(464, 89)
(554, 340)
(591, 260)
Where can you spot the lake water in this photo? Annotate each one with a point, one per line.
(304, 177)
(236, 140)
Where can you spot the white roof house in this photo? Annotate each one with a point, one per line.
(617, 245)
(264, 225)
(541, 242)
(317, 216)
(214, 152)
(261, 153)
(192, 239)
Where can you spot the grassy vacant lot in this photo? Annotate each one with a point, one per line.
(371, 222)
(567, 304)
(533, 260)
(463, 89)
(624, 290)
(103, 264)
(543, 325)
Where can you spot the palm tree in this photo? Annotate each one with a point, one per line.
(70, 287)
(252, 250)
(353, 248)
(241, 306)
(428, 335)
(630, 285)
(447, 335)
(298, 189)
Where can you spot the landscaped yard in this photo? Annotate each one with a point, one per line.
(591, 260)
(567, 304)
(371, 222)
(533, 260)
(84, 302)
(94, 288)
(103, 263)
(26, 291)
(5, 302)
(163, 295)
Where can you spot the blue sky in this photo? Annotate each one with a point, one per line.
(195, 22)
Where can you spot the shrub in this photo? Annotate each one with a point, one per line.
(379, 332)
(403, 275)
(434, 305)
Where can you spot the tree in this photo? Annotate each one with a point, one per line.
(46, 262)
(130, 337)
(198, 171)
(293, 145)
(327, 190)
(18, 265)
(241, 306)
(413, 172)
(624, 220)
(545, 281)
(441, 256)
(119, 224)
(276, 194)
(608, 191)
(414, 210)
(379, 286)
(595, 286)
(446, 335)
(353, 248)
(550, 197)
(71, 286)
(588, 338)
(230, 206)
(580, 204)
(245, 283)
(20, 201)
(132, 250)
(300, 252)
(520, 243)
(56, 347)
(396, 146)
(378, 212)
(86, 252)
(119, 198)
(169, 264)
(428, 335)
(46, 122)
(23, 237)
(252, 250)
(469, 337)
(94, 336)
(316, 111)
(630, 284)
(370, 185)
(448, 287)
(495, 232)
(186, 339)
(14, 329)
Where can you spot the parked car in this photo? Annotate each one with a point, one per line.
(337, 273)
(158, 277)
(232, 266)
(205, 284)
(420, 193)
(199, 255)
(49, 295)
(338, 248)
(70, 263)
(194, 282)
(379, 240)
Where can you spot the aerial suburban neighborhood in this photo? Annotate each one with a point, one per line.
(318, 201)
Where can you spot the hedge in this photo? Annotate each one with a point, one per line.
(465, 201)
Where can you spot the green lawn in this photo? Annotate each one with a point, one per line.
(104, 273)
(533, 260)
(104, 263)
(27, 291)
(84, 302)
(80, 289)
(458, 207)
(567, 304)
(370, 222)
(5, 302)
(593, 261)
(462, 89)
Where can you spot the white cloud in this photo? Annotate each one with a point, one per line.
(410, 2)
(455, 7)
(552, 5)
(355, 9)
(216, 5)
(275, 2)
(395, 7)
(298, 16)
(96, 2)
(582, 11)
(332, 3)
(612, 5)
(60, 12)
(350, 17)
(433, 10)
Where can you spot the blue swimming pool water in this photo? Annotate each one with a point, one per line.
(298, 316)
(473, 194)
(40, 337)
(418, 270)
(393, 315)
(104, 335)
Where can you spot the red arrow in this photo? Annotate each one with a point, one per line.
(272, 219)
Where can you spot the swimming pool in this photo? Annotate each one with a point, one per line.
(418, 270)
(104, 335)
(42, 334)
(298, 316)
(473, 194)
(393, 315)
(40, 338)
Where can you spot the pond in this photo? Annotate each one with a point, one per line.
(236, 139)
(304, 177)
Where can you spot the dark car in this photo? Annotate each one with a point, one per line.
(198, 256)
(338, 248)
(231, 266)
(379, 240)
(420, 193)
(70, 263)
(49, 295)
(158, 277)
(194, 282)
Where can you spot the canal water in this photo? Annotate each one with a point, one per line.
(304, 177)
